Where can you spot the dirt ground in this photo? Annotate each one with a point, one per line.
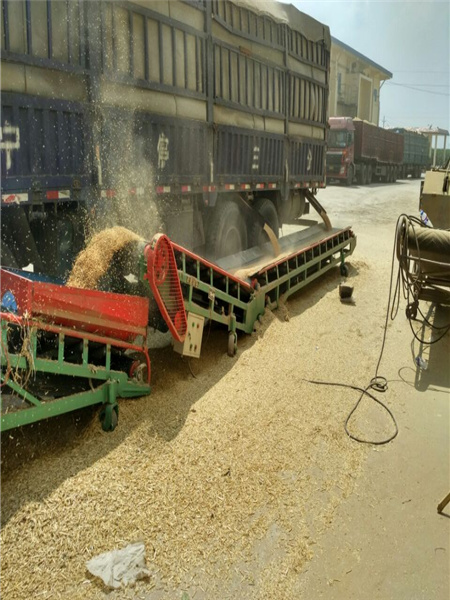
(241, 480)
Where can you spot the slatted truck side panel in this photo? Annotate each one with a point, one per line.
(196, 109)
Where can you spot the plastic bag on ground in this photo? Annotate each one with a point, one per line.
(120, 568)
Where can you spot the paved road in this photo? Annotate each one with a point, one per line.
(387, 541)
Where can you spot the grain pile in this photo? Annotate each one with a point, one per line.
(228, 478)
(94, 261)
(231, 478)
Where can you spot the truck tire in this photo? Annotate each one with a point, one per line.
(350, 176)
(227, 231)
(17, 235)
(362, 175)
(266, 208)
(59, 237)
(7, 257)
(395, 175)
(387, 178)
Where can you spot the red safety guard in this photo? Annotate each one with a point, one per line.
(162, 275)
(113, 315)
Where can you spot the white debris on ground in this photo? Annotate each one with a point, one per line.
(119, 568)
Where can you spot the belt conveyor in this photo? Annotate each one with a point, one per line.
(63, 348)
(236, 290)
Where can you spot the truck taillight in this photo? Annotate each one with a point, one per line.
(344, 156)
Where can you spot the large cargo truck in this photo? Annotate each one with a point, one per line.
(415, 153)
(358, 150)
(190, 117)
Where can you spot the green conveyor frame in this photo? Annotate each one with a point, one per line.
(105, 383)
(217, 292)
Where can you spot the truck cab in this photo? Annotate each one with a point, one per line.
(341, 149)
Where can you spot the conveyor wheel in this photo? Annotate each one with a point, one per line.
(232, 343)
(109, 417)
(139, 371)
(344, 270)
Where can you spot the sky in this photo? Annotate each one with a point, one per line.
(409, 39)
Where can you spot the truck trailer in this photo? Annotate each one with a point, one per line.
(203, 119)
(415, 153)
(358, 150)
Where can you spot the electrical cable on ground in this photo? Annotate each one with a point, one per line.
(190, 369)
(404, 282)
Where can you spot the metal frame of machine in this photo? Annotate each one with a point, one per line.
(180, 281)
(423, 246)
(217, 294)
(105, 384)
(35, 338)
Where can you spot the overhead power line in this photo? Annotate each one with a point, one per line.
(444, 85)
(417, 89)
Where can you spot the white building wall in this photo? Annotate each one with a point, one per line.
(354, 85)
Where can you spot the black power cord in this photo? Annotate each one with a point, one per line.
(377, 384)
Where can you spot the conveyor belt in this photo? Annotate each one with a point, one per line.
(250, 262)
(236, 290)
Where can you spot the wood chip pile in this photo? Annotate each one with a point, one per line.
(228, 478)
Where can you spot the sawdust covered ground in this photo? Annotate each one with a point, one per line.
(205, 470)
(230, 478)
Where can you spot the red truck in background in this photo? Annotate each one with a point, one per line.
(361, 151)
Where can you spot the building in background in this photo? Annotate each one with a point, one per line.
(355, 83)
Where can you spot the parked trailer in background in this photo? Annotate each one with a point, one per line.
(362, 151)
(187, 116)
(415, 153)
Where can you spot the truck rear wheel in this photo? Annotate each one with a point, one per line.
(7, 257)
(257, 235)
(227, 232)
(17, 235)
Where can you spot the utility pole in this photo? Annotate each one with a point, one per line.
(384, 121)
